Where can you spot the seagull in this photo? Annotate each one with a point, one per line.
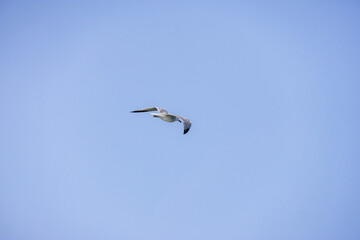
(164, 115)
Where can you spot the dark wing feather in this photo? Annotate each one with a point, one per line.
(186, 122)
(161, 110)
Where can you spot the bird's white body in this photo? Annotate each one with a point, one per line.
(167, 118)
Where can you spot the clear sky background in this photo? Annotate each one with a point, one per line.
(272, 89)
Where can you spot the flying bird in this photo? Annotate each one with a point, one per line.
(164, 115)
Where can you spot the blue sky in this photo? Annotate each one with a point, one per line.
(272, 90)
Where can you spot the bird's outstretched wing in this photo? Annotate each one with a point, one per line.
(160, 110)
(186, 122)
